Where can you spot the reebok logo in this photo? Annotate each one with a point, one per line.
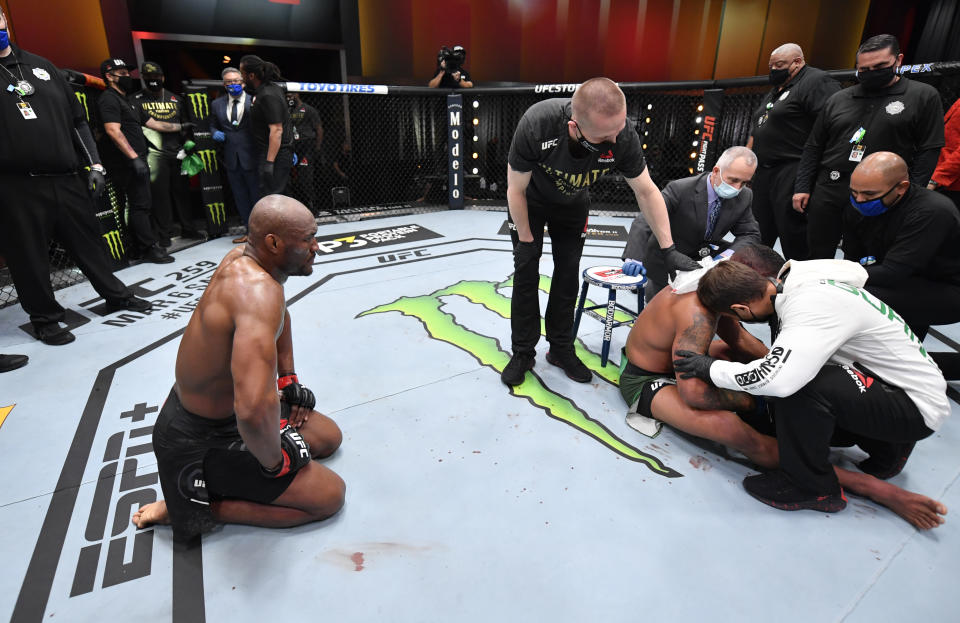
(607, 157)
(863, 381)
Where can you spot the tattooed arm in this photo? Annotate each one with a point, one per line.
(744, 345)
(694, 333)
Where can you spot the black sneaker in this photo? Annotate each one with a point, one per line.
(516, 370)
(886, 460)
(775, 489)
(130, 304)
(54, 335)
(156, 255)
(571, 364)
(12, 362)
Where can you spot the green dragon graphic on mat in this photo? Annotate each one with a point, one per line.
(444, 327)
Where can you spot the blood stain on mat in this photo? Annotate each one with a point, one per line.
(357, 559)
(701, 462)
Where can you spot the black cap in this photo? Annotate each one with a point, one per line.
(149, 67)
(114, 63)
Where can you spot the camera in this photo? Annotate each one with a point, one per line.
(453, 57)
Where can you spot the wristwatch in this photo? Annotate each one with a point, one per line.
(933, 184)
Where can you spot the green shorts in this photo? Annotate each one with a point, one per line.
(638, 387)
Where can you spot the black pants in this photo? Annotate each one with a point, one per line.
(922, 303)
(839, 397)
(773, 209)
(281, 174)
(303, 176)
(567, 228)
(246, 191)
(829, 200)
(32, 211)
(137, 189)
(168, 192)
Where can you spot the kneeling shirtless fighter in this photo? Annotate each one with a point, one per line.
(230, 447)
(648, 383)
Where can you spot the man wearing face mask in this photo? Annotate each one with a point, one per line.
(126, 154)
(168, 189)
(841, 359)
(230, 124)
(49, 169)
(560, 148)
(908, 239)
(703, 209)
(780, 128)
(308, 146)
(272, 129)
(885, 112)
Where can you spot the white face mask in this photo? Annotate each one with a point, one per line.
(724, 190)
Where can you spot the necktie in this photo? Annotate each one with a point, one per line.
(712, 218)
(233, 111)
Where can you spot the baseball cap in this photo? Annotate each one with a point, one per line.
(149, 67)
(114, 63)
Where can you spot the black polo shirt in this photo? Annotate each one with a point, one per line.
(306, 119)
(115, 108)
(921, 231)
(162, 106)
(270, 106)
(44, 144)
(905, 118)
(563, 171)
(782, 122)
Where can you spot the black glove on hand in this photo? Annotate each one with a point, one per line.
(96, 183)
(186, 130)
(675, 261)
(266, 176)
(295, 453)
(693, 365)
(140, 168)
(294, 393)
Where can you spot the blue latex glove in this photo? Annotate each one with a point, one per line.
(219, 136)
(295, 159)
(633, 268)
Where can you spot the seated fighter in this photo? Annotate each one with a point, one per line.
(655, 395)
(233, 441)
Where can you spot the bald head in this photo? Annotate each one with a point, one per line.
(791, 50)
(881, 175)
(787, 57)
(599, 110)
(279, 215)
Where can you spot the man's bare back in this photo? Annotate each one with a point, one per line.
(203, 371)
(650, 343)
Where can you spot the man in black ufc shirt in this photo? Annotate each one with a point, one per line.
(562, 147)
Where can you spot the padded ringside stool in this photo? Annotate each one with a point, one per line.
(613, 279)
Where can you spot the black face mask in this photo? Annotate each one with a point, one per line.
(876, 79)
(292, 103)
(779, 76)
(154, 85)
(589, 147)
(126, 84)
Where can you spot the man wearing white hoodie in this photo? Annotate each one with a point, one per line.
(840, 358)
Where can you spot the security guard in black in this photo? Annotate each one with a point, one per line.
(905, 118)
(45, 145)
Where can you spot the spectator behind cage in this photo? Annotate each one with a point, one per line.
(702, 209)
(450, 73)
(908, 239)
(272, 128)
(230, 124)
(308, 147)
(885, 112)
(946, 177)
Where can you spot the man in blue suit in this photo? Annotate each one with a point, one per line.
(230, 124)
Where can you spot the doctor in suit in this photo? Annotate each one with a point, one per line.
(702, 209)
(230, 124)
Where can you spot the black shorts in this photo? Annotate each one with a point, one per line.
(201, 460)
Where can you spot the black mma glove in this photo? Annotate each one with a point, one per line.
(294, 393)
(186, 130)
(140, 168)
(295, 452)
(266, 176)
(96, 182)
(676, 261)
(693, 365)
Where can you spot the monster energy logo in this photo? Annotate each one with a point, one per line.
(114, 243)
(82, 98)
(209, 158)
(218, 213)
(199, 104)
(445, 327)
